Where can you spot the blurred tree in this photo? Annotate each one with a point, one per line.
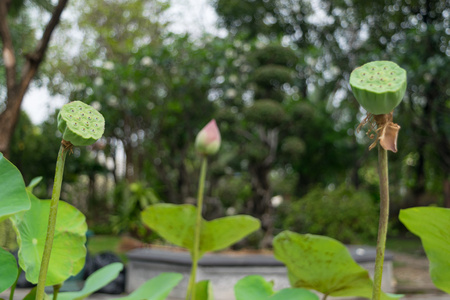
(321, 152)
(104, 71)
(21, 57)
(152, 87)
(264, 119)
(337, 36)
(34, 149)
(254, 120)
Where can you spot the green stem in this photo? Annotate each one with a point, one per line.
(383, 223)
(13, 287)
(40, 290)
(56, 289)
(195, 252)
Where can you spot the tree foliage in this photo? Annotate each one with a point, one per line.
(337, 36)
(277, 85)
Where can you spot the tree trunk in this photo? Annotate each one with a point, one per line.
(8, 121)
(16, 89)
(259, 205)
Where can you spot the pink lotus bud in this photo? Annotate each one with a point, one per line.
(208, 139)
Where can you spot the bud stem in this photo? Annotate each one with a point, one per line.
(383, 223)
(195, 253)
(40, 290)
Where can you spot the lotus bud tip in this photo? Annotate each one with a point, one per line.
(208, 139)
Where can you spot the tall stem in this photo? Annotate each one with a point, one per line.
(51, 222)
(198, 222)
(383, 223)
(13, 287)
(56, 289)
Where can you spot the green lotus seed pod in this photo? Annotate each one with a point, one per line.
(379, 86)
(80, 123)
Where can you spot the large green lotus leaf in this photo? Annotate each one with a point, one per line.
(322, 264)
(223, 232)
(157, 288)
(203, 290)
(13, 195)
(255, 287)
(294, 294)
(94, 282)
(68, 252)
(176, 224)
(33, 183)
(432, 225)
(8, 269)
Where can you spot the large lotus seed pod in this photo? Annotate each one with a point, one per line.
(80, 123)
(379, 86)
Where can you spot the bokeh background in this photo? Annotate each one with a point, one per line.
(273, 73)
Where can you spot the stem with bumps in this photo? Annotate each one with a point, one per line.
(195, 252)
(383, 223)
(40, 290)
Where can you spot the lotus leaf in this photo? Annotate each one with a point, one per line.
(69, 251)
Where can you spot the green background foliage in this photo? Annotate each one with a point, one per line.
(277, 83)
(342, 212)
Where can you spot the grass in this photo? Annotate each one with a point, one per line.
(103, 243)
(410, 245)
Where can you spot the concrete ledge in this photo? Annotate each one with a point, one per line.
(224, 270)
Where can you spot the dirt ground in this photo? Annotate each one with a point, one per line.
(413, 279)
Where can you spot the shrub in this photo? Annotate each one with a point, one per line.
(266, 112)
(344, 213)
(277, 55)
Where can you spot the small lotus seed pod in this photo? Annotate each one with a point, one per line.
(80, 123)
(379, 86)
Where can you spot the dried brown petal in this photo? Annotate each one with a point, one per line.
(388, 136)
